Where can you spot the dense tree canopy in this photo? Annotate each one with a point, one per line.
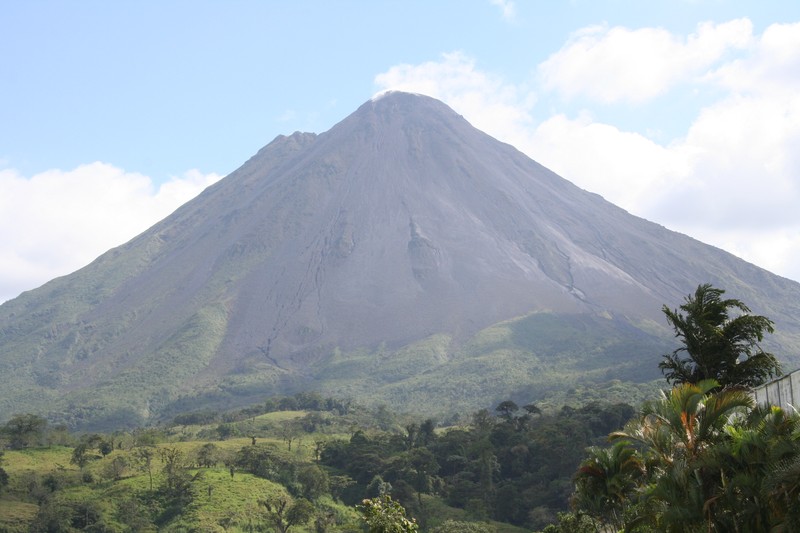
(699, 459)
(24, 430)
(717, 345)
(514, 468)
(384, 515)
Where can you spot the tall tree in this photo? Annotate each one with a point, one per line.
(25, 430)
(177, 481)
(507, 409)
(81, 455)
(314, 481)
(717, 345)
(208, 455)
(143, 458)
(384, 515)
(283, 513)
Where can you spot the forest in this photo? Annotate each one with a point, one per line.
(245, 470)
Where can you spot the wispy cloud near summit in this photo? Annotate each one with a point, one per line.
(617, 64)
(727, 175)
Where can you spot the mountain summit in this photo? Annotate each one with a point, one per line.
(367, 260)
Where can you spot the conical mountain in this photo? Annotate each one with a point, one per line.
(367, 261)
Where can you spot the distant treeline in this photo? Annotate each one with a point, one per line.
(301, 401)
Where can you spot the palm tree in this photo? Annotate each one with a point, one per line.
(716, 345)
(782, 485)
(606, 480)
(676, 436)
(684, 422)
(703, 457)
(780, 474)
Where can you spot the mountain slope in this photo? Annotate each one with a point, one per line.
(399, 225)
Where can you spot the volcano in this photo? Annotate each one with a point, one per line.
(403, 256)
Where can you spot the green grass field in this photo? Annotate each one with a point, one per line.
(113, 490)
(220, 499)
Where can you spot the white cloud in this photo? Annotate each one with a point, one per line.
(625, 167)
(746, 156)
(58, 221)
(773, 65)
(619, 64)
(732, 177)
(496, 107)
(507, 7)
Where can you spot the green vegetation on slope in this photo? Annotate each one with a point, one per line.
(235, 471)
(536, 357)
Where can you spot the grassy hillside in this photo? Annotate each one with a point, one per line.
(47, 490)
(216, 475)
(114, 494)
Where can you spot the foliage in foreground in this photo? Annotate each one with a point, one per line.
(697, 460)
(704, 457)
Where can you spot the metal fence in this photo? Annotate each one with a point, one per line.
(783, 392)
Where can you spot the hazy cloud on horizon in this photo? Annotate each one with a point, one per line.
(71, 217)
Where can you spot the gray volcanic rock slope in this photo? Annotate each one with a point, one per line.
(399, 223)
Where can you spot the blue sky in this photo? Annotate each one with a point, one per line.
(112, 114)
